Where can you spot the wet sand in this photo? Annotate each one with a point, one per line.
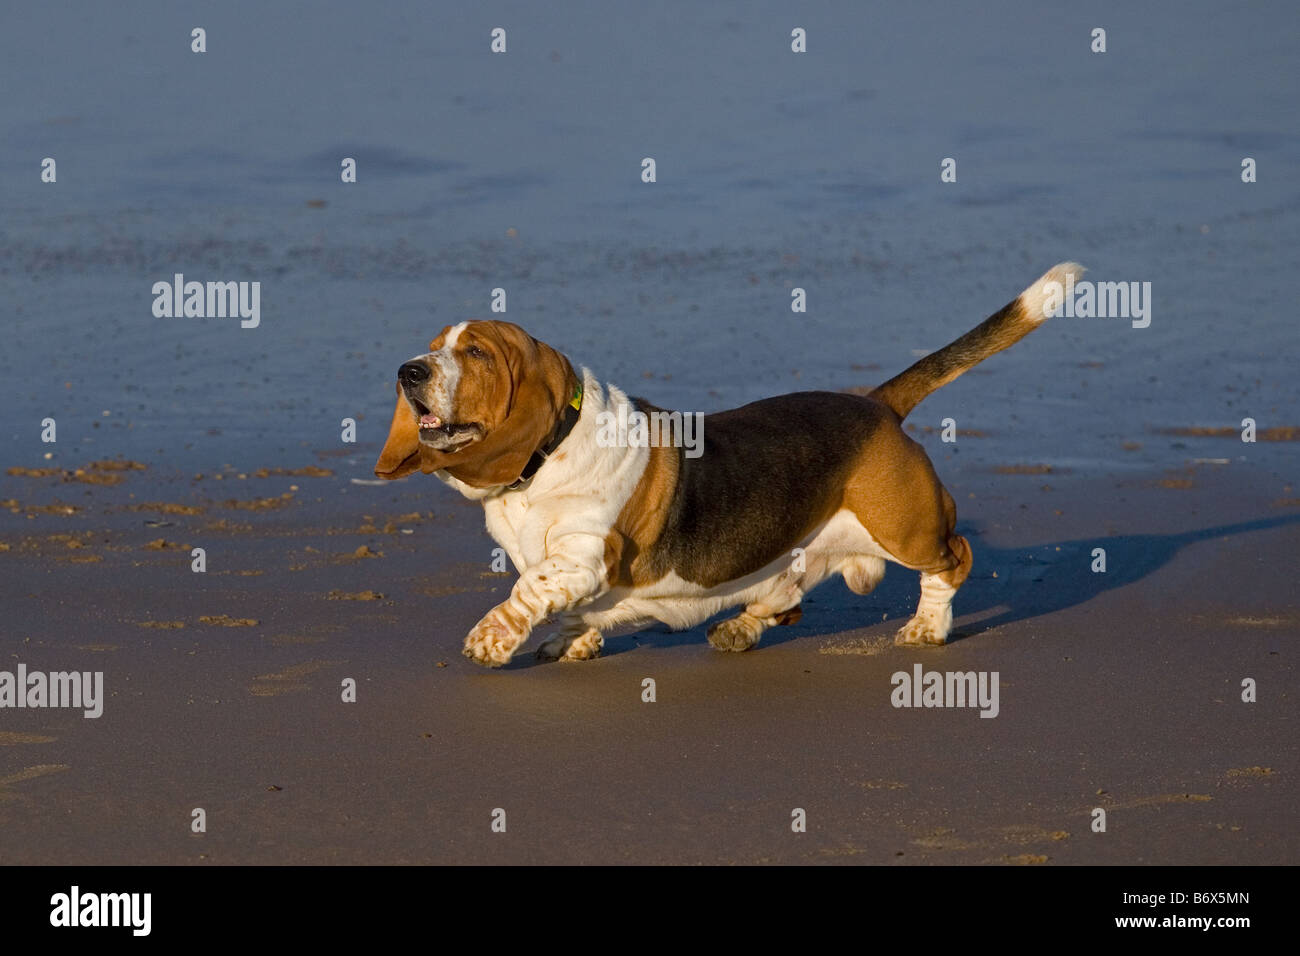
(1118, 690)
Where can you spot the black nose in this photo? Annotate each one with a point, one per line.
(412, 374)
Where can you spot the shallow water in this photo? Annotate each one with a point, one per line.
(522, 171)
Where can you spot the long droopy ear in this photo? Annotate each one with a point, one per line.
(401, 454)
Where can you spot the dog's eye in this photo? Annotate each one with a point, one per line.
(477, 352)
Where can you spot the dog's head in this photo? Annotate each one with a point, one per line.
(476, 405)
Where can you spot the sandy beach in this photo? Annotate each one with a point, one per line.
(223, 689)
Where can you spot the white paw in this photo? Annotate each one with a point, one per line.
(584, 647)
(736, 634)
(921, 630)
(491, 643)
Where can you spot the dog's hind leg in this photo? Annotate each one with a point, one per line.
(779, 607)
(933, 619)
(742, 632)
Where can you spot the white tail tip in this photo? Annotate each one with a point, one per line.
(1046, 296)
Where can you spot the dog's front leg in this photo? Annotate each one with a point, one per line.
(572, 574)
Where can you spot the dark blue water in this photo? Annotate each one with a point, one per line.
(522, 170)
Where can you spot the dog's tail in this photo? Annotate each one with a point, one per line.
(1001, 330)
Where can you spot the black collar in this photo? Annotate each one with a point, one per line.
(572, 412)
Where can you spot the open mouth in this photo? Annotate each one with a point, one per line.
(442, 435)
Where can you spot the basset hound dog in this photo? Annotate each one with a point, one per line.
(785, 491)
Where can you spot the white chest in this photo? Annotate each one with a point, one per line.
(507, 519)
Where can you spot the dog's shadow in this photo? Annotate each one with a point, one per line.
(1016, 583)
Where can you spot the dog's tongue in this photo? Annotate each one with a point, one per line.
(431, 419)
